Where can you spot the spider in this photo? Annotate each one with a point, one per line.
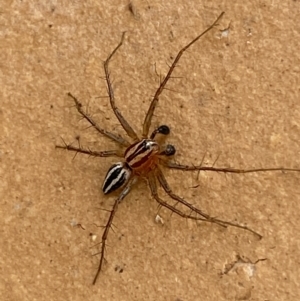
(145, 156)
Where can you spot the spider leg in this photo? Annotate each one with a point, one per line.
(126, 126)
(174, 165)
(110, 153)
(148, 118)
(163, 182)
(108, 225)
(162, 203)
(85, 115)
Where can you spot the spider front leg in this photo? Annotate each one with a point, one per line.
(108, 225)
(126, 126)
(163, 182)
(149, 115)
(86, 116)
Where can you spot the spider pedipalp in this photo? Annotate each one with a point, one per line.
(168, 151)
(163, 129)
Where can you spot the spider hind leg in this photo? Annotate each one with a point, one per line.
(200, 215)
(108, 225)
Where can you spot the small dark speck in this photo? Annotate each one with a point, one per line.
(50, 25)
(133, 10)
(119, 269)
(51, 106)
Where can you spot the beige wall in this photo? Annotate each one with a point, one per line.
(237, 98)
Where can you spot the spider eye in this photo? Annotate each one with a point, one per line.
(116, 177)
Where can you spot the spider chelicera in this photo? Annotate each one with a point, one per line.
(144, 157)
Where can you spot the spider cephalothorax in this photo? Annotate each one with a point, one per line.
(144, 157)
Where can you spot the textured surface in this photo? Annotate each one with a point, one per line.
(237, 98)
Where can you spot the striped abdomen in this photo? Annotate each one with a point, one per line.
(116, 177)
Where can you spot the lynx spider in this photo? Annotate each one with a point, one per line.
(144, 157)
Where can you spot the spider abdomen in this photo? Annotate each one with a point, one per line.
(117, 176)
(142, 155)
